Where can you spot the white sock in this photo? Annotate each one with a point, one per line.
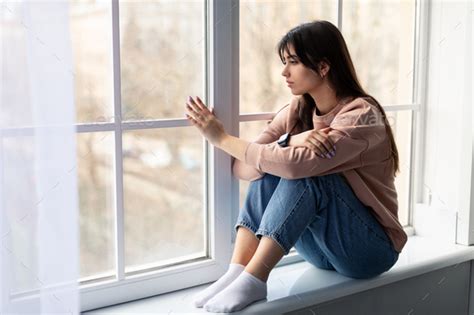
(232, 273)
(243, 291)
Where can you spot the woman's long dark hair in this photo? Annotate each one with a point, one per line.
(318, 41)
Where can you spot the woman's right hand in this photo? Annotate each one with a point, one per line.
(315, 140)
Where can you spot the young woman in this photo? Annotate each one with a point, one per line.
(322, 174)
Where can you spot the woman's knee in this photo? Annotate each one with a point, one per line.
(270, 179)
(267, 180)
(298, 182)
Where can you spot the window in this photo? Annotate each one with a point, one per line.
(142, 187)
(155, 199)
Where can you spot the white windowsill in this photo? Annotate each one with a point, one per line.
(299, 285)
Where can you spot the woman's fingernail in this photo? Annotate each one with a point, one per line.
(190, 98)
(328, 156)
(333, 154)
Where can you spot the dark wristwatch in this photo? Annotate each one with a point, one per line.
(284, 140)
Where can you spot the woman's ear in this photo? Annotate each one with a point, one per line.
(323, 68)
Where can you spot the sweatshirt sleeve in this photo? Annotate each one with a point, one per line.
(350, 131)
(274, 129)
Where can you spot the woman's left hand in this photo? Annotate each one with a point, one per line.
(204, 119)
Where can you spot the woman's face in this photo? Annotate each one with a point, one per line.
(299, 78)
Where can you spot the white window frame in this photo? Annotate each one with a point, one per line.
(222, 76)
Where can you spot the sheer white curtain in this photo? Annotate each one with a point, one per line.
(38, 183)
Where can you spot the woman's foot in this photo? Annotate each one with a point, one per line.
(244, 290)
(232, 273)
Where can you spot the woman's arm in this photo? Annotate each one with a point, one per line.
(356, 130)
(274, 129)
(244, 171)
(233, 146)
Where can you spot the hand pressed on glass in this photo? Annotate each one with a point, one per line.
(204, 119)
(315, 140)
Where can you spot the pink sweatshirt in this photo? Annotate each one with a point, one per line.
(363, 149)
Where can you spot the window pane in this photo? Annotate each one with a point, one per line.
(91, 36)
(262, 24)
(380, 38)
(96, 178)
(400, 121)
(162, 57)
(163, 196)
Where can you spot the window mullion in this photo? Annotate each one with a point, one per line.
(119, 211)
(223, 92)
(419, 97)
(339, 15)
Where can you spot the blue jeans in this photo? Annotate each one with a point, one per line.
(323, 219)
